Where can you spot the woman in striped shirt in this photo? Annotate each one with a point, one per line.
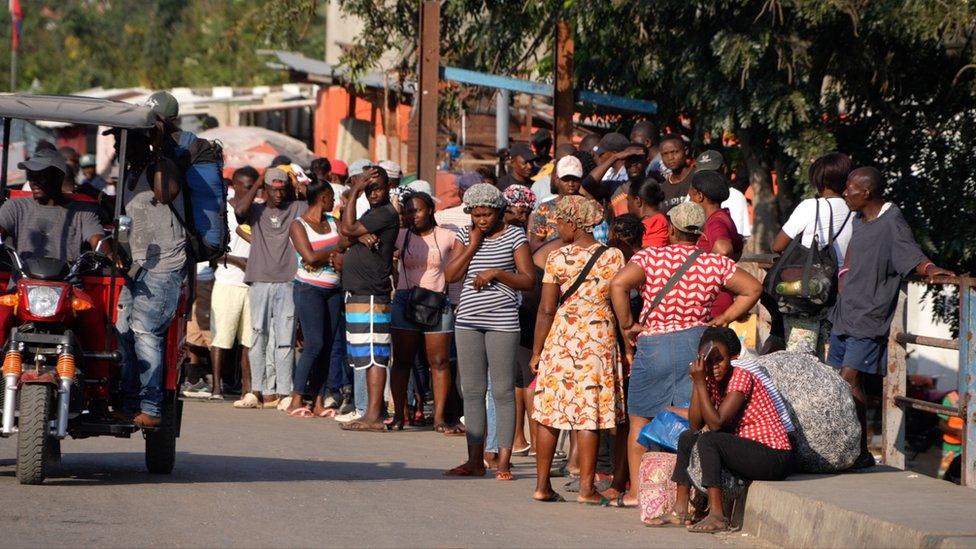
(318, 297)
(495, 263)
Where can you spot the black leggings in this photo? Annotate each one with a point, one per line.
(746, 458)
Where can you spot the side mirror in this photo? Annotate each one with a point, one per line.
(123, 227)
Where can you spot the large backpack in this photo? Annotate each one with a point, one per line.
(204, 197)
(804, 280)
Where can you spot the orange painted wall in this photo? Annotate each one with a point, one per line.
(334, 104)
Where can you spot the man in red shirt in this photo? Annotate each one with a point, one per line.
(719, 235)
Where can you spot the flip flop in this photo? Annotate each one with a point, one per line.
(301, 412)
(553, 498)
(668, 520)
(619, 502)
(504, 475)
(449, 430)
(522, 451)
(328, 412)
(360, 425)
(697, 528)
(248, 401)
(602, 502)
(462, 471)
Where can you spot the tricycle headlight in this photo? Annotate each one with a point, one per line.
(43, 300)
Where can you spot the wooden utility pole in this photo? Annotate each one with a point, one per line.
(564, 102)
(430, 24)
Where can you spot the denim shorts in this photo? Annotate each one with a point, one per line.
(401, 321)
(659, 375)
(864, 354)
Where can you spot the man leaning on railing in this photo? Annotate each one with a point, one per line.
(882, 251)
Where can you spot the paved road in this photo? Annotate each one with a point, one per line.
(257, 478)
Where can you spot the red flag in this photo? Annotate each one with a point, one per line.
(17, 24)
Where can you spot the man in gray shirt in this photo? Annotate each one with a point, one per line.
(881, 253)
(150, 297)
(48, 225)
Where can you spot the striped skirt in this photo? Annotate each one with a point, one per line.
(368, 330)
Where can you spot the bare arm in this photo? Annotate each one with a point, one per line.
(242, 206)
(747, 291)
(629, 278)
(781, 242)
(240, 232)
(722, 247)
(543, 321)
(304, 248)
(522, 279)
(165, 181)
(457, 266)
(695, 420)
(237, 261)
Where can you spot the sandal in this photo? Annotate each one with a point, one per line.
(360, 425)
(449, 430)
(271, 403)
(283, 404)
(667, 520)
(521, 451)
(328, 412)
(552, 498)
(463, 471)
(504, 475)
(248, 401)
(710, 526)
(301, 412)
(619, 502)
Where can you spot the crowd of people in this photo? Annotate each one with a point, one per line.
(576, 296)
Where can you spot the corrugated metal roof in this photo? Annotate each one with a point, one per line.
(75, 110)
(313, 67)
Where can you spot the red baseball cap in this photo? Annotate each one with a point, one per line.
(339, 167)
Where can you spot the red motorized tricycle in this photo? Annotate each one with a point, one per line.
(61, 367)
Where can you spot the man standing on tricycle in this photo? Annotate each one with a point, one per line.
(149, 300)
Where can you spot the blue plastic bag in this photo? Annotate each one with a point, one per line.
(663, 431)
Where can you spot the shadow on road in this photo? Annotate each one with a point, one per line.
(124, 468)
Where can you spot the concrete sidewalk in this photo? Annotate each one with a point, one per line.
(880, 507)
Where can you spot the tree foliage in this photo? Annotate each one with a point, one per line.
(890, 82)
(76, 44)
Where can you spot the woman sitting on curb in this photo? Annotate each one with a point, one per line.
(737, 424)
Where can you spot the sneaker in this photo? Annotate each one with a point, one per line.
(346, 418)
(200, 389)
(330, 402)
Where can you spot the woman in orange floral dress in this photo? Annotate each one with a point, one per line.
(578, 385)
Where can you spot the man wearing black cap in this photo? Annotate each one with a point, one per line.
(520, 167)
(147, 303)
(49, 225)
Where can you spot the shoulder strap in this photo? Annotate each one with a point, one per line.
(671, 283)
(582, 276)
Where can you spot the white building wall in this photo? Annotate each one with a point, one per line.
(942, 364)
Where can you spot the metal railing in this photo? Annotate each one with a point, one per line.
(894, 402)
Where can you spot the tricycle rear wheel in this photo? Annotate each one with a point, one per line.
(161, 443)
(34, 441)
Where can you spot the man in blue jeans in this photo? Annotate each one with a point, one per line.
(151, 293)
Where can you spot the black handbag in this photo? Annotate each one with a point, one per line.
(424, 307)
(804, 280)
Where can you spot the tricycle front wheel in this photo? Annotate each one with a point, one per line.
(34, 441)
